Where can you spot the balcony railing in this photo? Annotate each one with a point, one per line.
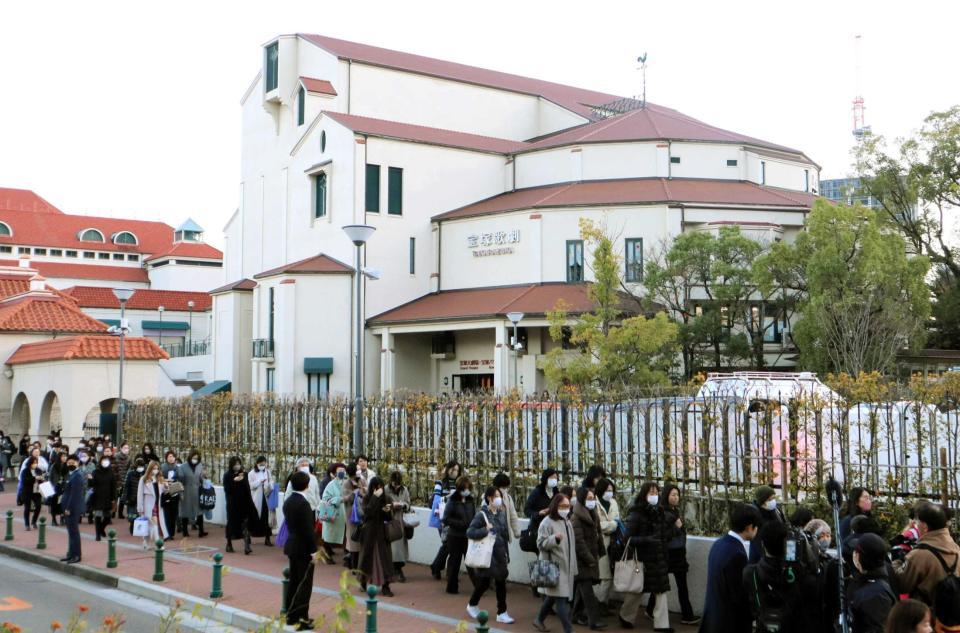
(263, 348)
(187, 348)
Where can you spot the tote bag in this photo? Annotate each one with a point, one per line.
(273, 500)
(628, 574)
(327, 512)
(141, 527)
(47, 489)
(356, 517)
(480, 551)
(282, 535)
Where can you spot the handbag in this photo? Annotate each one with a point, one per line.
(407, 532)
(528, 541)
(282, 535)
(141, 527)
(544, 573)
(356, 517)
(273, 500)
(174, 488)
(47, 489)
(436, 512)
(393, 530)
(628, 573)
(480, 551)
(411, 520)
(327, 512)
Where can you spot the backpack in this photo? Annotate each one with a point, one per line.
(946, 595)
(208, 498)
(773, 601)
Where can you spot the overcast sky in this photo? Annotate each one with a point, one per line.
(111, 108)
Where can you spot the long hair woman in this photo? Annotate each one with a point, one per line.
(149, 492)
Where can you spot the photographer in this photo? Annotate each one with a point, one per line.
(922, 570)
(778, 590)
(869, 595)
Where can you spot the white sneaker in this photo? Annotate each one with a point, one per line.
(473, 611)
(504, 618)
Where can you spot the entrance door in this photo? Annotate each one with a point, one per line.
(473, 382)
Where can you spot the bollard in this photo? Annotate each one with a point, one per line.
(42, 533)
(372, 591)
(284, 588)
(9, 535)
(217, 590)
(158, 562)
(111, 548)
(482, 618)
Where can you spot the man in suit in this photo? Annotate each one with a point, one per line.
(74, 504)
(299, 548)
(725, 609)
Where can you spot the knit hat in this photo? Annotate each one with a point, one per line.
(872, 550)
(763, 494)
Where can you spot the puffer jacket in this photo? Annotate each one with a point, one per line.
(649, 534)
(458, 515)
(677, 545)
(589, 546)
(501, 550)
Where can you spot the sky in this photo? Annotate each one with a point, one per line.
(130, 109)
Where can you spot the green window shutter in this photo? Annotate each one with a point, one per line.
(395, 191)
(320, 202)
(301, 105)
(372, 204)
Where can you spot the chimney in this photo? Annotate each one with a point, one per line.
(24, 261)
(38, 282)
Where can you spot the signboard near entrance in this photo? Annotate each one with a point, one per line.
(476, 365)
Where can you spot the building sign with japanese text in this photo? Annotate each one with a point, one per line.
(493, 242)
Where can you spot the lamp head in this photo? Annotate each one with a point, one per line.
(122, 294)
(515, 317)
(160, 309)
(359, 233)
(190, 304)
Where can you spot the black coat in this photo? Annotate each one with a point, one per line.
(649, 533)
(768, 588)
(103, 485)
(241, 512)
(298, 516)
(537, 501)
(870, 598)
(677, 545)
(458, 515)
(500, 560)
(373, 540)
(725, 608)
(589, 542)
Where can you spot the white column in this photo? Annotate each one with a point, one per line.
(285, 333)
(387, 362)
(501, 360)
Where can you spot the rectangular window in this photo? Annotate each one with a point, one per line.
(271, 307)
(6, 249)
(39, 251)
(271, 379)
(56, 252)
(763, 172)
(774, 324)
(103, 255)
(675, 160)
(24, 250)
(395, 191)
(71, 253)
(574, 261)
(318, 385)
(133, 258)
(633, 258)
(89, 255)
(372, 197)
(320, 195)
(118, 257)
(272, 66)
(301, 105)
(806, 180)
(731, 162)
(413, 255)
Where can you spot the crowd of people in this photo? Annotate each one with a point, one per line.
(770, 572)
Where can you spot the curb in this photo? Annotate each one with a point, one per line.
(87, 573)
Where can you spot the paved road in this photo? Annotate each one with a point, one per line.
(32, 597)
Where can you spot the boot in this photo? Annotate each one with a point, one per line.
(200, 531)
(131, 528)
(229, 548)
(267, 541)
(184, 527)
(246, 543)
(98, 527)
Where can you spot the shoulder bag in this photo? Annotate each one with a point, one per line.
(480, 551)
(393, 530)
(628, 573)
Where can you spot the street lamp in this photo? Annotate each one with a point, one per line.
(515, 318)
(358, 234)
(190, 305)
(123, 295)
(160, 310)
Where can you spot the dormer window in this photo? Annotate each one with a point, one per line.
(124, 237)
(5, 230)
(189, 231)
(90, 235)
(271, 66)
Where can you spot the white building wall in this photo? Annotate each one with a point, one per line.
(232, 335)
(200, 321)
(60, 283)
(186, 278)
(705, 160)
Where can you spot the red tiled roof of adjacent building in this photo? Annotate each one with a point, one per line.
(62, 270)
(316, 265)
(87, 348)
(61, 230)
(24, 200)
(96, 297)
(635, 191)
(45, 312)
(195, 250)
(423, 134)
(531, 299)
(321, 86)
(577, 100)
(246, 285)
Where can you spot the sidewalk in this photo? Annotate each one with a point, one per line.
(252, 583)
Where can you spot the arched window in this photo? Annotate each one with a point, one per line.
(5, 230)
(124, 237)
(90, 235)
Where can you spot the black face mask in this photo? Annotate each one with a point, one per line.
(71, 467)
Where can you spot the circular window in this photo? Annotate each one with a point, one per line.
(323, 140)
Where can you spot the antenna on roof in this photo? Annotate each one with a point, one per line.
(642, 60)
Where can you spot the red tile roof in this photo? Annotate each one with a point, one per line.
(423, 134)
(87, 348)
(96, 297)
(24, 200)
(531, 299)
(197, 250)
(45, 312)
(60, 270)
(321, 86)
(635, 191)
(246, 285)
(317, 265)
(575, 99)
(60, 230)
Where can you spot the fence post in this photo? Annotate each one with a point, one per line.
(42, 533)
(284, 588)
(372, 591)
(158, 562)
(217, 590)
(111, 548)
(482, 618)
(9, 534)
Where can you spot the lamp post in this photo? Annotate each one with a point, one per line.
(515, 318)
(122, 295)
(190, 305)
(160, 310)
(358, 234)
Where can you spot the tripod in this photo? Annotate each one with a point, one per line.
(835, 495)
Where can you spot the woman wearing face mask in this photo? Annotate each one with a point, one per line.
(502, 483)
(589, 549)
(87, 465)
(765, 499)
(456, 518)
(536, 507)
(334, 532)
(860, 502)
(170, 500)
(648, 534)
(556, 543)
(399, 498)
(491, 519)
(102, 484)
(261, 483)
(676, 553)
(240, 509)
(443, 489)
(353, 492)
(130, 485)
(191, 475)
(31, 476)
(148, 453)
(149, 490)
(375, 562)
(608, 512)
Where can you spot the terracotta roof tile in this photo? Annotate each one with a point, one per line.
(635, 191)
(244, 284)
(87, 348)
(97, 297)
(197, 250)
(60, 270)
(24, 200)
(45, 312)
(321, 86)
(316, 265)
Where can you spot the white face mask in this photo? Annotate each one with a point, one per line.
(497, 502)
(378, 492)
(653, 499)
(139, 469)
(608, 495)
(305, 469)
(590, 504)
(771, 505)
(465, 493)
(551, 483)
(563, 513)
(105, 463)
(194, 461)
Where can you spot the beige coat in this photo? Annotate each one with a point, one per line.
(608, 523)
(513, 520)
(920, 572)
(400, 502)
(564, 554)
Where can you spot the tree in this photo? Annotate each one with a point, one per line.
(616, 353)
(865, 297)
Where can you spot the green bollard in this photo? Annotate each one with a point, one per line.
(111, 548)
(158, 562)
(372, 591)
(9, 535)
(284, 588)
(42, 533)
(482, 618)
(217, 590)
